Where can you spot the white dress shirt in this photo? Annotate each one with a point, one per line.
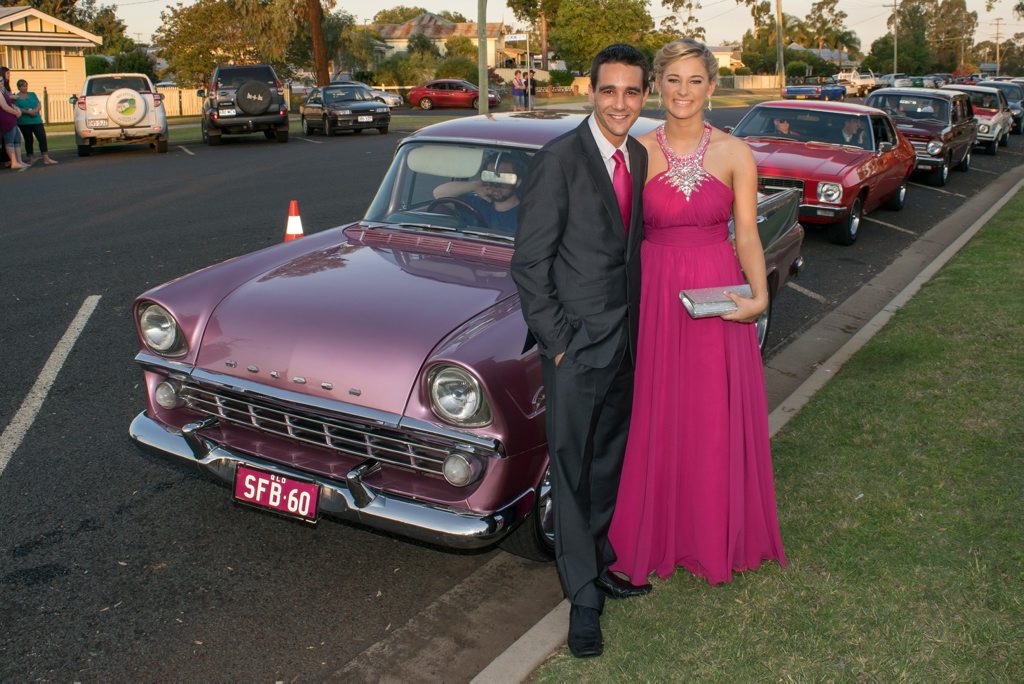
(606, 148)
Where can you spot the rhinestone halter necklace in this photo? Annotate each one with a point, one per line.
(685, 171)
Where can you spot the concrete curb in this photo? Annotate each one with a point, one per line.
(527, 653)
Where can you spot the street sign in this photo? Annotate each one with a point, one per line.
(516, 36)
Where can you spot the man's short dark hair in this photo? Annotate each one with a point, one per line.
(619, 53)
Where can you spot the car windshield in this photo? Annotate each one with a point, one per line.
(1012, 91)
(449, 187)
(911, 106)
(805, 125)
(105, 85)
(234, 78)
(347, 94)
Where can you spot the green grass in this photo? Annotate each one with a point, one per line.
(900, 491)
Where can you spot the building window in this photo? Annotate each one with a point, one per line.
(34, 58)
(54, 58)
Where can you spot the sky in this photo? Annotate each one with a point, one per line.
(723, 20)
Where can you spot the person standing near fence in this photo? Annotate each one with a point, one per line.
(31, 122)
(531, 91)
(518, 91)
(9, 122)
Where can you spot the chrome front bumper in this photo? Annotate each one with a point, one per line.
(350, 500)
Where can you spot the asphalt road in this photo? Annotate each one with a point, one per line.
(116, 566)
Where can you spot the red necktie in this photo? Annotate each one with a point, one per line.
(623, 187)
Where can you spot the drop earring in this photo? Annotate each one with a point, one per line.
(709, 104)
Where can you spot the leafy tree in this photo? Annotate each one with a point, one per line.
(335, 28)
(419, 43)
(97, 64)
(914, 53)
(137, 61)
(460, 46)
(104, 22)
(356, 50)
(398, 15)
(586, 26)
(454, 17)
(879, 59)
(458, 67)
(951, 30)
(192, 48)
(826, 20)
(66, 10)
(682, 20)
(796, 69)
(406, 68)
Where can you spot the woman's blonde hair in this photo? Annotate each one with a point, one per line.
(684, 48)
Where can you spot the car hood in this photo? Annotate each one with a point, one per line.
(353, 321)
(813, 160)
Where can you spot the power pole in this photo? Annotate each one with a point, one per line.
(779, 57)
(543, 41)
(895, 31)
(998, 21)
(483, 93)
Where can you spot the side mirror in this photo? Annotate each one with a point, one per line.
(200, 93)
(884, 147)
(73, 99)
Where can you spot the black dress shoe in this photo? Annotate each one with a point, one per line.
(617, 588)
(585, 640)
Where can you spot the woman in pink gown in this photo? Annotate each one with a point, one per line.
(697, 489)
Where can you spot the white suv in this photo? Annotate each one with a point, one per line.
(119, 108)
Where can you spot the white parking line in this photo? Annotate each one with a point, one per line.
(186, 150)
(10, 440)
(888, 225)
(807, 293)
(944, 192)
(975, 169)
(315, 142)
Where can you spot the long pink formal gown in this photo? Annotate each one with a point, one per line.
(697, 489)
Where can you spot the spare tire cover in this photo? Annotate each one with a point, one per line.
(253, 97)
(126, 107)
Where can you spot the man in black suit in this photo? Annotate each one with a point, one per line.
(577, 267)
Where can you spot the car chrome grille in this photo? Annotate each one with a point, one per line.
(349, 438)
(919, 146)
(769, 183)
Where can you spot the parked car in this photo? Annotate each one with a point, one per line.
(862, 82)
(449, 93)
(1014, 93)
(852, 89)
(992, 112)
(392, 100)
(336, 108)
(898, 80)
(924, 82)
(939, 124)
(839, 181)
(244, 98)
(118, 109)
(815, 89)
(380, 372)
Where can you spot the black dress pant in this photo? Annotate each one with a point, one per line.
(587, 422)
(27, 131)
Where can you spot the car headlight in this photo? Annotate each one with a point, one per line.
(343, 112)
(456, 397)
(381, 109)
(935, 147)
(830, 192)
(983, 128)
(160, 331)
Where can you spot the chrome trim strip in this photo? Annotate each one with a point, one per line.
(435, 430)
(153, 361)
(420, 520)
(837, 208)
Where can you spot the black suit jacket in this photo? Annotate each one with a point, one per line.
(577, 270)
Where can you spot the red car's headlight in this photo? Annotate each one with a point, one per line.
(160, 331)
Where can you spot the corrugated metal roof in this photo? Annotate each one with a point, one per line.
(434, 27)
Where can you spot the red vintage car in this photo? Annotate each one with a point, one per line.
(846, 159)
(381, 372)
(449, 93)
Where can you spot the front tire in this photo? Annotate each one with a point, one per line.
(306, 130)
(965, 163)
(899, 198)
(991, 147)
(426, 104)
(328, 129)
(1005, 140)
(534, 538)
(845, 232)
(940, 176)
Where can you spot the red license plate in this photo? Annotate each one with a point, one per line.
(285, 495)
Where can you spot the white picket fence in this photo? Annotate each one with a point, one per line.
(177, 101)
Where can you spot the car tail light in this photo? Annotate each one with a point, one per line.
(81, 103)
(280, 88)
(158, 100)
(818, 89)
(283, 111)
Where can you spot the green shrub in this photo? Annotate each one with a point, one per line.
(560, 77)
(724, 71)
(796, 69)
(743, 71)
(458, 67)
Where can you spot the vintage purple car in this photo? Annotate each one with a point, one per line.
(381, 372)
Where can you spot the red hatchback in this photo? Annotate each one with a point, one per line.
(449, 93)
(846, 159)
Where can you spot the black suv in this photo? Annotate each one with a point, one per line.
(244, 98)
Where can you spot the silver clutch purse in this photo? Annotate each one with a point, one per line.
(711, 301)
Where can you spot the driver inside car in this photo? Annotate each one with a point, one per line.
(493, 195)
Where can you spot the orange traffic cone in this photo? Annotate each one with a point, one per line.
(294, 229)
